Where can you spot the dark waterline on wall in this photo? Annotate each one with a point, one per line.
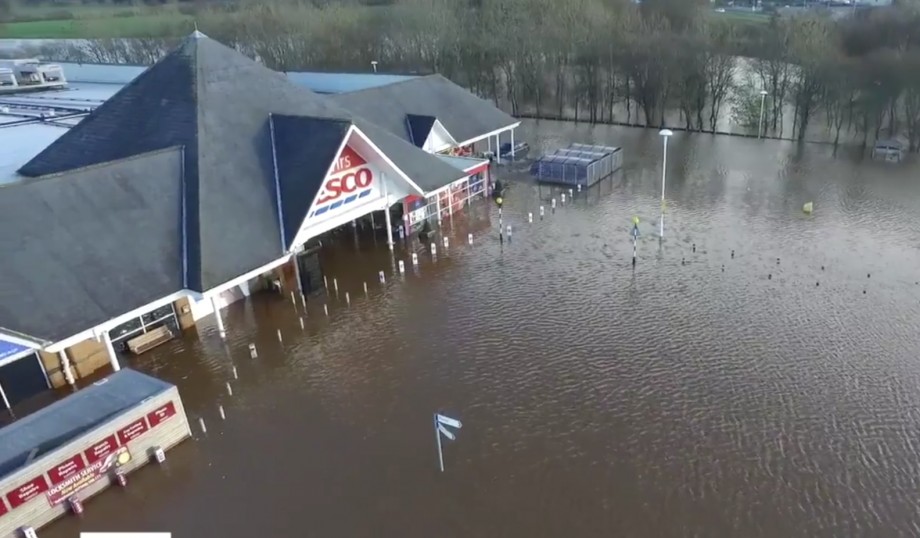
(770, 393)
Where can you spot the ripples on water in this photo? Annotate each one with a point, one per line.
(676, 400)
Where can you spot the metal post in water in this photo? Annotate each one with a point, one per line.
(437, 435)
(253, 352)
(562, 198)
(530, 217)
(204, 429)
(509, 232)
(235, 374)
(347, 299)
(446, 243)
(220, 409)
(542, 212)
(553, 205)
(335, 284)
(414, 258)
(303, 301)
(434, 249)
(301, 324)
(579, 187)
(229, 389)
(326, 309)
(294, 300)
(469, 238)
(383, 277)
(365, 288)
(325, 283)
(279, 335)
(402, 267)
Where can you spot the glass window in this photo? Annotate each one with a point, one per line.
(158, 314)
(126, 328)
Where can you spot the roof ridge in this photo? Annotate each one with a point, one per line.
(390, 85)
(96, 166)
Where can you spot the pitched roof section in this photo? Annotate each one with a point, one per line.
(215, 102)
(82, 248)
(304, 151)
(419, 128)
(463, 114)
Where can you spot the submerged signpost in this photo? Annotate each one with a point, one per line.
(635, 238)
(441, 425)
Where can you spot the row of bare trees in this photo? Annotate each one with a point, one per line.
(661, 62)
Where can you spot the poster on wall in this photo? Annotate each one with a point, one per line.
(87, 476)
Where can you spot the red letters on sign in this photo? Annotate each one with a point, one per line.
(132, 431)
(27, 491)
(346, 184)
(161, 414)
(347, 160)
(61, 472)
(101, 449)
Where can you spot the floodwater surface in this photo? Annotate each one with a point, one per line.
(773, 392)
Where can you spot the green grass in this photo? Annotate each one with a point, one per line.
(744, 16)
(95, 22)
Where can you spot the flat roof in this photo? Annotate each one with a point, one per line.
(65, 420)
(343, 82)
(20, 143)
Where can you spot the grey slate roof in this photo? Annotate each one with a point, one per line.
(463, 114)
(215, 104)
(56, 425)
(304, 150)
(82, 248)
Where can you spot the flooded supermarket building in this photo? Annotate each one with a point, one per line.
(169, 192)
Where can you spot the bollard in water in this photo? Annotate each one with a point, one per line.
(469, 238)
(347, 299)
(553, 204)
(335, 285)
(434, 249)
(446, 243)
(562, 200)
(235, 375)
(279, 335)
(229, 389)
(402, 267)
(159, 454)
(303, 301)
(571, 193)
(579, 187)
(414, 258)
(326, 310)
(529, 217)
(301, 324)
(509, 232)
(365, 288)
(325, 282)
(253, 353)
(382, 277)
(542, 212)
(204, 429)
(220, 409)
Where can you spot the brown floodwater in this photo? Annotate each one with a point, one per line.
(778, 397)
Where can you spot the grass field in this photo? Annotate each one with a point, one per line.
(96, 22)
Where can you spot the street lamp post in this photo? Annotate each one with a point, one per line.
(763, 99)
(374, 65)
(665, 134)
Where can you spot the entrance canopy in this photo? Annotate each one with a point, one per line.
(9, 350)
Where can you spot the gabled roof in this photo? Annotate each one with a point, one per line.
(419, 128)
(82, 248)
(304, 150)
(214, 102)
(464, 115)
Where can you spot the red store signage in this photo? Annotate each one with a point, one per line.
(3, 508)
(63, 471)
(101, 449)
(132, 431)
(27, 491)
(161, 414)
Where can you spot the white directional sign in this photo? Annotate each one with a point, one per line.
(446, 433)
(447, 421)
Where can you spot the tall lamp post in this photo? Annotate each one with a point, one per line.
(763, 99)
(665, 134)
(374, 65)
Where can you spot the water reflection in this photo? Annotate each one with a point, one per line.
(673, 400)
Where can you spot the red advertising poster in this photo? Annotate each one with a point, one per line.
(3, 508)
(27, 491)
(161, 414)
(132, 431)
(61, 472)
(101, 449)
(86, 476)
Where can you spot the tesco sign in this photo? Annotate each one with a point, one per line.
(352, 179)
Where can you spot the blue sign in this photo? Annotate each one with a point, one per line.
(8, 349)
